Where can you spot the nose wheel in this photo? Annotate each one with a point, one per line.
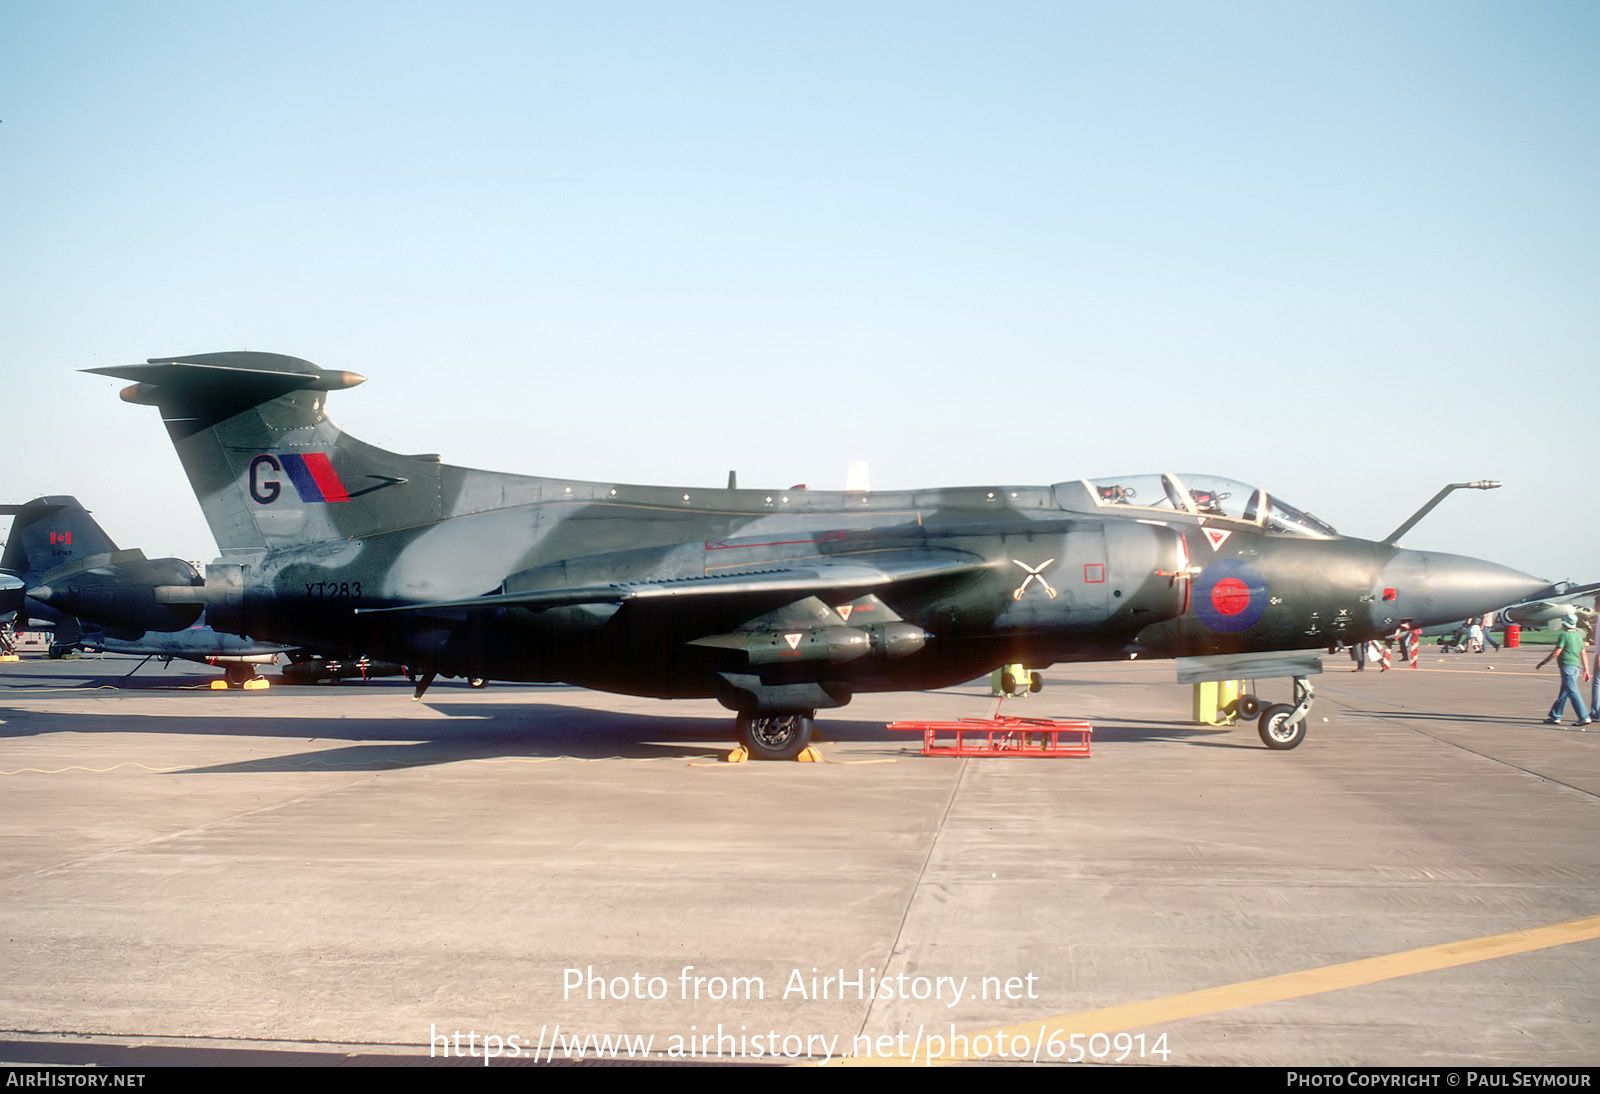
(1283, 726)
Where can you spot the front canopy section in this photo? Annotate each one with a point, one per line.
(1202, 496)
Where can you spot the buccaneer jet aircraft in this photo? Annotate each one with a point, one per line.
(776, 602)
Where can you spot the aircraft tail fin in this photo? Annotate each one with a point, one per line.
(267, 465)
(51, 532)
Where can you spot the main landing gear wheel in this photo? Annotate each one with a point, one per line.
(1277, 731)
(238, 675)
(775, 736)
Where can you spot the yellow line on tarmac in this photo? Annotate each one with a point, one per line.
(1250, 993)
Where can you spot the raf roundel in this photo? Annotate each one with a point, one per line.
(1230, 596)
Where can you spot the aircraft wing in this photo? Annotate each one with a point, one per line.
(808, 578)
(1560, 590)
(194, 644)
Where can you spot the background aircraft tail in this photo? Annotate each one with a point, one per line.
(49, 533)
(72, 569)
(268, 466)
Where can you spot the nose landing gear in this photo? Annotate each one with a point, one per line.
(1282, 725)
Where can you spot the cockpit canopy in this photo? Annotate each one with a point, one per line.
(1205, 496)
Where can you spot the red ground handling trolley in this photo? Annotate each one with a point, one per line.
(1041, 738)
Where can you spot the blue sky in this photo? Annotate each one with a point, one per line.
(1349, 252)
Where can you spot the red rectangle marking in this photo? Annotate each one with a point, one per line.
(327, 479)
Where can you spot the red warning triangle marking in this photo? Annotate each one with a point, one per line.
(1217, 536)
(844, 611)
(793, 640)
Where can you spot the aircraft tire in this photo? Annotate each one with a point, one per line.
(1249, 706)
(775, 736)
(238, 675)
(1276, 732)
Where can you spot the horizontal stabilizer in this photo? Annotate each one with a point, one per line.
(202, 368)
(260, 376)
(1248, 666)
(818, 577)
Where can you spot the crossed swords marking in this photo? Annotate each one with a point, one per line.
(1033, 575)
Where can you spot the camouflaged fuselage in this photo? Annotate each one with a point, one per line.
(767, 599)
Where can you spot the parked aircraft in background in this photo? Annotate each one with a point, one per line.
(241, 659)
(1579, 606)
(59, 546)
(70, 568)
(95, 596)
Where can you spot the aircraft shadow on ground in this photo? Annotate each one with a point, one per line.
(531, 731)
(548, 732)
(1133, 730)
(537, 733)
